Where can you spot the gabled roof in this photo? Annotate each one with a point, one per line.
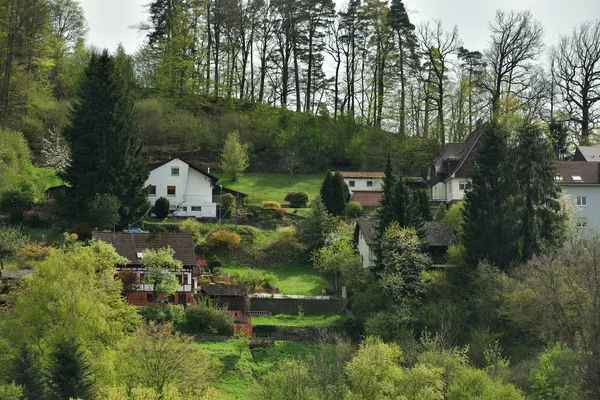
(220, 289)
(369, 230)
(367, 198)
(456, 159)
(128, 245)
(158, 164)
(436, 234)
(439, 234)
(577, 172)
(587, 153)
(365, 175)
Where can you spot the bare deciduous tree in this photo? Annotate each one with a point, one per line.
(577, 75)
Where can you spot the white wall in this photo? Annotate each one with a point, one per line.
(590, 212)
(438, 192)
(192, 189)
(182, 288)
(366, 252)
(361, 184)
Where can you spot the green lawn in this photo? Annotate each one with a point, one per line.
(292, 320)
(295, 279)
(241, 374)
(261, 187)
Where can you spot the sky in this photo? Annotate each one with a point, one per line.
(111, 21)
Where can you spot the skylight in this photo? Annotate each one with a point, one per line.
(576, 178)
(140, 255)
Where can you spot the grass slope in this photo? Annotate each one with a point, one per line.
(263, 187)
(293, 279)
(292, 320)
(242, 373)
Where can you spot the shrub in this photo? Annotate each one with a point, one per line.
(224, 239)
(15, 202)
(249, 215)
(281, 211)
(163, 313)
(215, 262)
(270, 205)
(354, 209)
(287, 233)
(227, 205)
(162, 207)
(297, 199)
(191, 226)
(202, 318)
(33, 252)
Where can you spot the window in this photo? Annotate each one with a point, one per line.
(581, 201)
(369, 183)
(184, 209)
(179, 279)
(558, 178)
(142, 277)
(351, 183)
(581, 223)
(170, 190)
(140, 255)
(149, 297)
(152, 190)
(174, 171)
(186, 279)
(196, 208)
(462, 185)
(576, 178)
(171, 298)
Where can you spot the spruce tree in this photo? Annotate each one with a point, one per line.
(27, 373)
(487, 225)
(386, 211)
(104, 142)
(536, 201)
(327, 194)
(334, 193)
(69, 373)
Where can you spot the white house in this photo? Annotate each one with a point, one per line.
(191, 191)
(581, 181)
(366, 239)
(363, 181)
(450, 173)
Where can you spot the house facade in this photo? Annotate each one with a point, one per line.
(438, 236)
(188, 189)
(450, 173)
(363, 181)
(132, 246)
(581, 181)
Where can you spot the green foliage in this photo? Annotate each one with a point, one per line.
(104, 142)
(476, 384)
(202, 318)
(228, 204)
(297, 199)
(317, 225)
(353, 209)
(560, 374)
(454, 217)
(157, 358)
(334, 193)
(214, 263)
(12, 239)
(69, 372)
(241, 342)
(234, 158)
(103, 211)
(224, 239)
(422, 200)
(162, 207)
(160, 271)
(162, 313)
(11, 392)
(27, 372)
(402, 262)
(15, 202)
(291, 381)
(270, 205)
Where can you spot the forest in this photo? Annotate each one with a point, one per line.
(302, 87)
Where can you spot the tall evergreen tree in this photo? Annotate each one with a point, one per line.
(27, 373)
(386, 211)
(334, 193)
(104, 142)
(69, 373)
(486, 235)
(536, 200)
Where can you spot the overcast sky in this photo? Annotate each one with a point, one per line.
(110, 21)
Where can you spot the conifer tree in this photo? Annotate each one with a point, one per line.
(27, 373)
(486, 231)
(69, 373)
(334, 193)
(104, 142)
(386, 211)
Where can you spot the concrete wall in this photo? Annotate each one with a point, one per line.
(282, 304)
(590, 213)
(192, 189)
